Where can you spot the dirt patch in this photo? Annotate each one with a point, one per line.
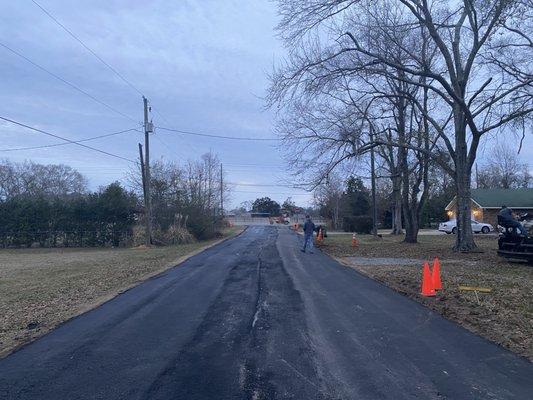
(504, 316)
(41, 288)
(377, 261)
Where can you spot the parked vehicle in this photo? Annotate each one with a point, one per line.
(478, 227)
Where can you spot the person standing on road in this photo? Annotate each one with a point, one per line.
(309, 228)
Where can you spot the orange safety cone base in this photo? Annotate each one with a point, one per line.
(427, 284)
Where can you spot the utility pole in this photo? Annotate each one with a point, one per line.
(147, 200)
(221, 192)
(142, 171)
(373, 181)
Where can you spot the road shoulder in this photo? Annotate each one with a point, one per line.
(44, 288)
(501, 316)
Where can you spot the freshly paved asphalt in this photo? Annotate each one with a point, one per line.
(254, 318)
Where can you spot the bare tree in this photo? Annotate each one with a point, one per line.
(32, 179)
(503, 170)
(328, 198)
(479, 72)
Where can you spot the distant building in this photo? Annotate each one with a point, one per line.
(486, 203)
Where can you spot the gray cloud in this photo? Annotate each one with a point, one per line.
(202, 64)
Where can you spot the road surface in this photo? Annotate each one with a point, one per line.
(254, 318)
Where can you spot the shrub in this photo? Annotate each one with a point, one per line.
(357, 223)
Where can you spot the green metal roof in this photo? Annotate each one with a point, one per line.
(495, 198)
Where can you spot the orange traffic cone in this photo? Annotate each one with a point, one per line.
(427, 284)
(354, 240)
(320, 235)
(435, 275)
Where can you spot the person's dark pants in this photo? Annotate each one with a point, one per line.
(308, 241)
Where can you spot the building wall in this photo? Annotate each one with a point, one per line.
(477, 213)
(487, 215)
(490, 216)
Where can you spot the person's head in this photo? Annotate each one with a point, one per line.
(504, 207)
(307, 216)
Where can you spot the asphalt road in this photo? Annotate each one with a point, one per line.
(254, 318)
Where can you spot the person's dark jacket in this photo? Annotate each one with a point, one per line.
(309, 227)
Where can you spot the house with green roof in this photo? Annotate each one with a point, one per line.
(486, 203)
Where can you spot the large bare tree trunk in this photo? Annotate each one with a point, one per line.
(464, 240)
(411, 226)
(397, 226)
(465, 237)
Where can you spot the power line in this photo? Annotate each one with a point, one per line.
(214, 136)
(255, 165)
(65, 139)
(260, 185)
(272, 193)
(88, 48)
(74, 141)
(66, 82)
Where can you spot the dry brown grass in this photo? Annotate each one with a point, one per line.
(40, 288)
(504, 316)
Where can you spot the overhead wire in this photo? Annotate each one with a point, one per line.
(261, 185)
(280, 193)
(65, 139)
(73, 142)
(81, 42)
(214, 136)
(87, 48)
(77, 88)
(131, 85)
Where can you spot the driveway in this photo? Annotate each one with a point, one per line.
(254, 318)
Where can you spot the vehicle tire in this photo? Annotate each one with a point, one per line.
(485, 230)
(447, 233)
(454, 230)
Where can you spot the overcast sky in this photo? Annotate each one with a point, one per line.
(202, 64)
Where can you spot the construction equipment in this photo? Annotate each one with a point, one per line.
(511, 244)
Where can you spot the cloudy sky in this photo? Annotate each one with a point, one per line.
(202, 64)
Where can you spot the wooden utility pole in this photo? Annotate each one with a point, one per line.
(147, 200)
(142, 171)
(221, 192)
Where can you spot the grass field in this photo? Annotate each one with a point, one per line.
(40, 288)
(504, 316)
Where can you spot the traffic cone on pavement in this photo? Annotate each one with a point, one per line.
(435, 275)
(427, 283)
(354, 240)
(320, 235)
